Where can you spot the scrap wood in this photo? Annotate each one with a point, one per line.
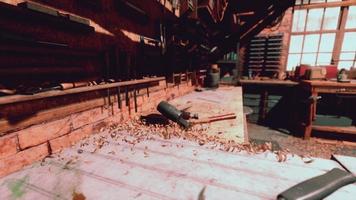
(208, 100)
(307, 159)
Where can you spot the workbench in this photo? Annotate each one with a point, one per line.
(314, 88)
(263, 96)
(165, 169)
(216, 102)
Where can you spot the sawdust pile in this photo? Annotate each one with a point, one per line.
(137, 131)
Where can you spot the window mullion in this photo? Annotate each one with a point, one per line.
(304, 30)
(320, 31)
(340, 35)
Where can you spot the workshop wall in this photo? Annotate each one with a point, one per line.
(283, 27)
(50, 49)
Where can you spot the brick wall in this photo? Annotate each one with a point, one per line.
(25, 144)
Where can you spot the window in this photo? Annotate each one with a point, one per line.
(351, 18)
(314, 35)
(348, 51)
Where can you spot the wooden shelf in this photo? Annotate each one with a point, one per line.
(335, 129)
(21, 98)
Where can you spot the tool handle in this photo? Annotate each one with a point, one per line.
(66, 86)
(319, 186)
(214, 119)
(228, 114)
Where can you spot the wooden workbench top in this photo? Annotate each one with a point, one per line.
(329, 83)
(163, 169)
(217, 102)
(269, 82)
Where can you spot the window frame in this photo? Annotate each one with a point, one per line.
(339, 31)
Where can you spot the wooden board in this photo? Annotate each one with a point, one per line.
(335, 129)
(20, 98)
(329, 83)
(162, 169)
(268, 82)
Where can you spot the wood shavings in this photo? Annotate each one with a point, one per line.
(307, 159)
(137, 131)
(78, 196)
(201, 194)
(195, 152)
(281, 156)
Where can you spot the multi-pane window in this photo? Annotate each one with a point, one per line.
(306, 2)
(313, 36)
(316, 33)
(347, 57)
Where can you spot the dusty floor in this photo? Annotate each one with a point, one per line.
(313, 147)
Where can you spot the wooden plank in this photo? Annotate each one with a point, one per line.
(335, 129)
(20, 98)
(268, 82)
(318, 83)
(49, 114)
(174, 169)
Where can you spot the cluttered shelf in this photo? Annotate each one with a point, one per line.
(21, 98)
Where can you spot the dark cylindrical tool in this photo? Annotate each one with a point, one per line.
(172, 113)
(318, 187)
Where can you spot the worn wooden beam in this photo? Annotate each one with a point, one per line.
(21, 98)
(49, 114)
(335, 129)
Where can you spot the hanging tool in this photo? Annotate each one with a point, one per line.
(135, 99)
(118, 97)
(127, 99)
